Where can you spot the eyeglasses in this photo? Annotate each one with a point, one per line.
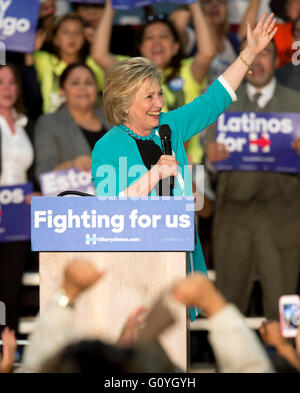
(211, 2)
(156, 18)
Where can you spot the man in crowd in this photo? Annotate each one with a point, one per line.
(256, 223)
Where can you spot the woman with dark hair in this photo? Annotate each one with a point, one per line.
(65, 139)
(16, 158)
(68, 46)
(183, 79)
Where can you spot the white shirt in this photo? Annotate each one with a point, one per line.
(267, 92)
(16, 152)
(235, 345)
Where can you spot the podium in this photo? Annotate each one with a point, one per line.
(132, 279)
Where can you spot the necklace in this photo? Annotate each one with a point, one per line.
(136, 136)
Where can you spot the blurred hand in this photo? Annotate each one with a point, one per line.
(89, 34)
(166, 166)
(78, 277)
(47, 8)
(271, 334)
(132, 326)
(8, 350)
(40, 38)
(298, 341)
(217, 152)
(197, 290)
(296, 145)
(82, 163)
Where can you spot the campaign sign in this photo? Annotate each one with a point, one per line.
(112, 224)
(53, 183)
(259, 141)
(14, 213)
(18, 22)
(130, 4)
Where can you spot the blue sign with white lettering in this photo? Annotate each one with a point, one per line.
(259, 141)
(112, 224)
(18, 22)
(15, 213)
(52, 183)
(129, 4)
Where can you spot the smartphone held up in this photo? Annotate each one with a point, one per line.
(289, 311)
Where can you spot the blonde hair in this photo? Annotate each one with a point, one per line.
(122, 82)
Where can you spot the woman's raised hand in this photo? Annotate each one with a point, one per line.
(262, 34)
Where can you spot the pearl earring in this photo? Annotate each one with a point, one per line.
(126, 110)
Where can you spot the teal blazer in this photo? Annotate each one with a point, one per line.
(117, 163)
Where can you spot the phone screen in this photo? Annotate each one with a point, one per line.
(290, 318)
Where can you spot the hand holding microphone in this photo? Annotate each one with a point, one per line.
(169, 160)
(167, 166)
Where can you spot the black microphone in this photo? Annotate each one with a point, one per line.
(165, 136)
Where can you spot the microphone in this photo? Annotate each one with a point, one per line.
(165, 136)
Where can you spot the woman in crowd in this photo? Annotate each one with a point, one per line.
(65, 139)
(227, 42)
(69, 46)
(288, 11)
(133, 103)
(16, 158)
(183, 80)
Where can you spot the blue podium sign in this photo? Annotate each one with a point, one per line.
(15, 213)
(112, 224)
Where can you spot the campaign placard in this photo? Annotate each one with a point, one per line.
(259, 141)
(130, 4)
(18, 22)
(112, 224)
(14, 213)
(55, 182)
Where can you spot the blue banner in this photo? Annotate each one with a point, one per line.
(14, 213)
(18, 22)
(130, 4)
(114, 224)
(52, 183)
(259, 141)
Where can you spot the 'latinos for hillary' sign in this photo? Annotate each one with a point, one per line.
(259, 141)
(112, 224)
(129, 4)
(18, 22)
(14, 213)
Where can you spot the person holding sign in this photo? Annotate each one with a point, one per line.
(16, 157)
(256, 223)
(65, 139)
(69, 46)
(158, 40)
(133, 102)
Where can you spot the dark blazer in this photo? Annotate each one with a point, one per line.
(278, 191)
(58, 139)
